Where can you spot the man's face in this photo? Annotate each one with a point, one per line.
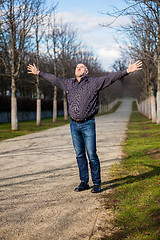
(80, 70)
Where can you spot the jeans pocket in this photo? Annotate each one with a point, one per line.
(90, 122)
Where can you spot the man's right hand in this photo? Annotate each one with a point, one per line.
(33, 69)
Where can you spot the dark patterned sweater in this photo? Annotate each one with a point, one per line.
(83, 96)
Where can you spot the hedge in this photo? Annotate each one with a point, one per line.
(27, 104)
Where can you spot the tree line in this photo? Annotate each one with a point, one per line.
(31, 33)
(142, 41)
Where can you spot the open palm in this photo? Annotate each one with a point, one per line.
(134, 67)
(33, 69)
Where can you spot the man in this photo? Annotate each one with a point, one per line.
(82, 96)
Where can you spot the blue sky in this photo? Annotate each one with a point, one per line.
(85, 17)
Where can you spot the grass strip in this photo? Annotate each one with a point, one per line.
(112, 110)
(27, 127)
(135, 183)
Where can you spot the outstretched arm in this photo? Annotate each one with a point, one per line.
(33, 69)
(59, 82)
(103, 82)
(134, 67)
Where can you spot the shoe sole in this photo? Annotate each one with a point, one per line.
(77, 190)
(96, 191)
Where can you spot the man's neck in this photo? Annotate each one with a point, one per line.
(79, 78)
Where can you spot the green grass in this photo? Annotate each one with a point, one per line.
(135, 199)
(27, 127)
(112, 110)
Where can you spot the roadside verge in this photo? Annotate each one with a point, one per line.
(133, 200)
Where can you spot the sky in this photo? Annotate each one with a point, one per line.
(85, 16)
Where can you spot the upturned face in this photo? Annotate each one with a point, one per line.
(81, 70)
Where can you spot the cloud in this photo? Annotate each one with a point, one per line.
(108, 56)
(99, 39)
(109, 53)
(80, 20)
(87, 22)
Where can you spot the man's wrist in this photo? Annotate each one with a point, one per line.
(128, 71)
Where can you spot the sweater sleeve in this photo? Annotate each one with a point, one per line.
(56, 81)
(103, 82)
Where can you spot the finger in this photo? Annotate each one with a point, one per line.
(130, 62)
(138, 62)
(139, 65)
(29, 68)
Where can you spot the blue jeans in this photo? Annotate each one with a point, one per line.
(84, 140)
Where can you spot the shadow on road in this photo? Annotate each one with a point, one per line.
(131, 179)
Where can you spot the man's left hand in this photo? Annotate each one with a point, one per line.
(134, 67)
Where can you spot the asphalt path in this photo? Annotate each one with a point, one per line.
(38, 174)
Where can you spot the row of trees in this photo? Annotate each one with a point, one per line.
(142, 41)
(30, 33)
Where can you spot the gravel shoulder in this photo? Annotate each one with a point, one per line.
(38, 174)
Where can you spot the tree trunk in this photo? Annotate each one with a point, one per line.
(55, 73)
(158, 84)
(153, 107)
(146, 107)
(38, 118)
(149, 107)
(14, 117)
(55, 105)
(65, 106)
(143, 107)
(158, 107)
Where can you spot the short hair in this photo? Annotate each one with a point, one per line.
(86, 69)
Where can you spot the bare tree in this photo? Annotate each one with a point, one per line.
(52, 42)
(38, 118)
(61, 44)
(147, 14)
(17, 17)
(68, 45)
(41, 13)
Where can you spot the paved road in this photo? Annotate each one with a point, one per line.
(38, 173)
